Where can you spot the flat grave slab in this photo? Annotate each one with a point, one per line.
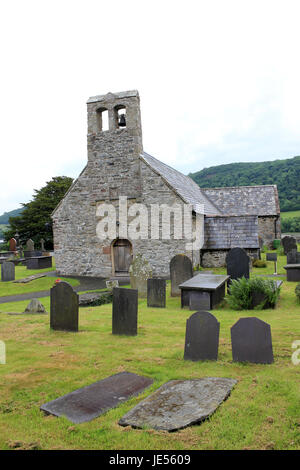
(39, 262)
(29, 278)
(179, 403)
(203, 291)
(89, 402)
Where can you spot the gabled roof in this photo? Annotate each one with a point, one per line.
(245, 200)
(183, 185)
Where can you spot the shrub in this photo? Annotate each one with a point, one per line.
(243, 290)
(297, 290)
(259, 263)
(280, 250)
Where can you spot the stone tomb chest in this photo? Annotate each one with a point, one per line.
(203, 292)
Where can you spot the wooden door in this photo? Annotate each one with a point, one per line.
(122, 256)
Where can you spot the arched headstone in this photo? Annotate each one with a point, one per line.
(181, 269)
(140, 271)
(201, 337)
(251, 341)
(7, 271)
(12, 244)
(237, 263)
(64, 304)
(289, 243)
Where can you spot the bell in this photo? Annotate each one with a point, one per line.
(122, 120)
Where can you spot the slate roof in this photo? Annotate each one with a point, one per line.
(229, 232)
(245, 200)
(183, 185)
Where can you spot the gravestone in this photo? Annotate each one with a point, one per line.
(237, 263)
(289, 243)
(293, 257)
(35, 307)
(124, 311)
(179, 403)
(271, 256)
(156, 293)
(29, 245)
(7, 271)
(140, 271)
(181, 269)
(251, 341)
(89, 402)
(201, 337)
(63, 307)
(12, 244)
(42, 242)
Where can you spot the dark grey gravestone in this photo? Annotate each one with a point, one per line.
(63, 307)
(124, 311)
(237, 263)
(156, 293)
(289, 243)
(201, 337)
(89, 402)
(7, 271)
(181, 269)
(293, 257)
(179, 403)
(251, 341)
(271, 256)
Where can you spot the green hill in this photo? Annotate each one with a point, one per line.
(284, 173)
(5, 217)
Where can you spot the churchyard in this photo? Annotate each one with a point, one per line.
(43, 364)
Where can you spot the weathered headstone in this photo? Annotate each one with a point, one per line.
(156, 293)
(289, 243)
(35, 307)
(237, 263)
(12, 244)
(201, 337)
(293, 257)
(89, 402)
(29, 245)
(124, 311)
(63, 307)
(179, 403)
(140, 271)
(181, 269)
(7, 271)
(251, 341)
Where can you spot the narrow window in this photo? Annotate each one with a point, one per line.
(120, 116)
(102, 119)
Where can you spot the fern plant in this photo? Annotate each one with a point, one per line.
(242, 291)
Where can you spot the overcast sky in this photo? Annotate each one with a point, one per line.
(218, 81)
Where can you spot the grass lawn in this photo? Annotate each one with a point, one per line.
(263, 411)
(288, 215)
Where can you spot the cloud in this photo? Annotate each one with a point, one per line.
(219, 82)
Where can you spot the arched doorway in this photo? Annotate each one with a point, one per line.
(122, 256)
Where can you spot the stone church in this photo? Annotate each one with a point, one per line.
(118, 167)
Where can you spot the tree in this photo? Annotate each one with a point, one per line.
(35, 219)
